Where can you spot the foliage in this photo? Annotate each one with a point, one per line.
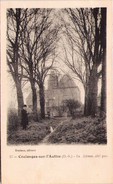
(59, 109)
(35, 133)
(66, 131)
(13, 121)
(72, 105)
(33, 116)
(80, 131)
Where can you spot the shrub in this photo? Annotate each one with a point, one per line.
(33, 116)
(72, 105)
(13, 121)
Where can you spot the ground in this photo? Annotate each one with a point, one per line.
(61, 131)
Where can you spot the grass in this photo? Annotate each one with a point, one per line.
(34, 134)
(80, 131)
(66, 131)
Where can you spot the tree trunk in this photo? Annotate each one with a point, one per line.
(86, 101)
(103, 40)
(103, 89)
(34, 96)
(91, 93)
(42, 100)
(20, 100)
(34, 100)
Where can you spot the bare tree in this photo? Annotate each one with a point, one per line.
(85, 34)
(47, 47)
(14, 31)
(29, 45)
(38, 51)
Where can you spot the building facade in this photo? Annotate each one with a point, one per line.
(57, 92)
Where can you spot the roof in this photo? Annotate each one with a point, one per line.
(66, 82)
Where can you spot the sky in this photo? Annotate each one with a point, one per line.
(12, 100)
(60, 65)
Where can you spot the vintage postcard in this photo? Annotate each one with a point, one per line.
(56, 92)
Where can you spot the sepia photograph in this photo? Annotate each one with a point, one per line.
(56, 73)
(56, 92)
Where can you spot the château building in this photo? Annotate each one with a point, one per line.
(57, 92)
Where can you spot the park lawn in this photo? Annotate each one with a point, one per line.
(65, 131)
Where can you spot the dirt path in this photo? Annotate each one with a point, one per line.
(63, 120)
